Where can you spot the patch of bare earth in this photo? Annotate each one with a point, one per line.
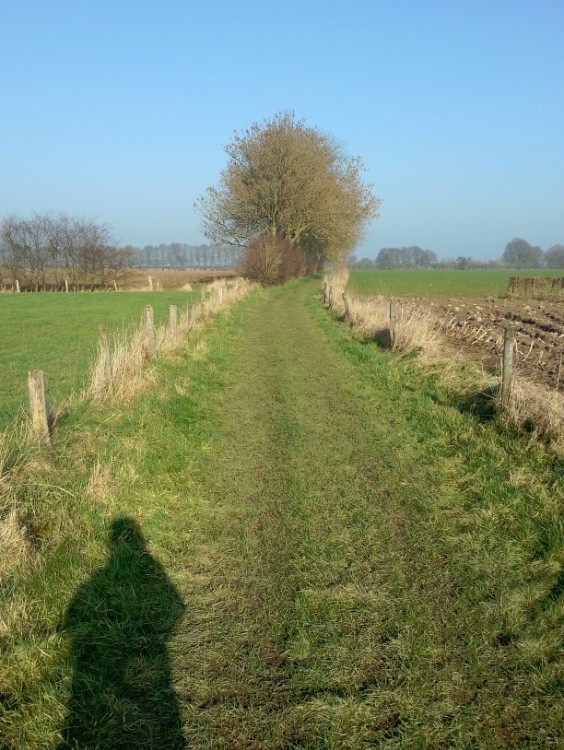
(476, 327)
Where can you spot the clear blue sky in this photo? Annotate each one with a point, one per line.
(119, 110)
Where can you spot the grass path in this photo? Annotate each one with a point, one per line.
(348, 598)
(361, 564)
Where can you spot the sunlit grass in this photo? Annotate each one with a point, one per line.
(437, 282)
(58, 333)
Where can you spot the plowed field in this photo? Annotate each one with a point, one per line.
(539, 330)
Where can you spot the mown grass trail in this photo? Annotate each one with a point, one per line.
(360, 588)
(360, 563)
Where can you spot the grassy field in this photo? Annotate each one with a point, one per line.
(295, 541)
(437, 283)
(58, 333)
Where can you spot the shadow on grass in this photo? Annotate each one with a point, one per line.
(119, 621)
(482, 404)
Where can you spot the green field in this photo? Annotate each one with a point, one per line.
(437, 282)
(58, 333)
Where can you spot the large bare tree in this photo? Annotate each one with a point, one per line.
(289, 182)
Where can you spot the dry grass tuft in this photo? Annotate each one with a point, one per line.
(131, 353)
(533, 406)
(417, 329)
(538, 408)
(101, 482)
(13, 543)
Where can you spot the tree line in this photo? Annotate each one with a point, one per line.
(53, 252)
(44, 252)
(182, 255)
(518, 253)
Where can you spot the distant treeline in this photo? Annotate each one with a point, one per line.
(181, 255)
(518, 253)
(56, 252)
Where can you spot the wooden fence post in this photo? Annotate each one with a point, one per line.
(507, 365)
(38, 406)
(172, 319)
(151, 283)
(392, 323)
(115, 285)
(106, 353)
(66, 286)
(347, 309)
(150, 341)
(17, 286)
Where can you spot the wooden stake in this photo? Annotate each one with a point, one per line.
(150, 341)
(17, 286)
(105, 349)
(347, 309)
(392, 323)
(172, 319)
(507, 365)
(38, 406)
(66, 286)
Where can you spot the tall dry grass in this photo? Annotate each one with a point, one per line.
(131, 352)
(533, 406)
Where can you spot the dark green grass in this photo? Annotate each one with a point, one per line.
(58, 333)
(339, 558)
(437, 283)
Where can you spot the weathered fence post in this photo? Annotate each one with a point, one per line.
(38, 406)
(107, 355)
(347, 309)
(507, 365)
(17, 286)
(151, 283)
(115, 285)
(392, 323)
(66, 286)
(172, 319)
(150, 341)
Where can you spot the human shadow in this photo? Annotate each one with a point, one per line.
(119, 621)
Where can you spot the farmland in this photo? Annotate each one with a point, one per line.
(437, 283)
(58, 333)
(336, 553)
(473, 308)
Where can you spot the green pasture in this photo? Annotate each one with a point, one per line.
(437, 282)
(58, 333)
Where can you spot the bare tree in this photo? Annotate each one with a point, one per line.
(43, 250)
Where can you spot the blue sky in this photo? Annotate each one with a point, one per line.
(119, 110)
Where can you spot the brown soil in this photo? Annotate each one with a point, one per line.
(539, 327)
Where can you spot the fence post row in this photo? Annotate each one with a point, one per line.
(38, 406)
(507, 365)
